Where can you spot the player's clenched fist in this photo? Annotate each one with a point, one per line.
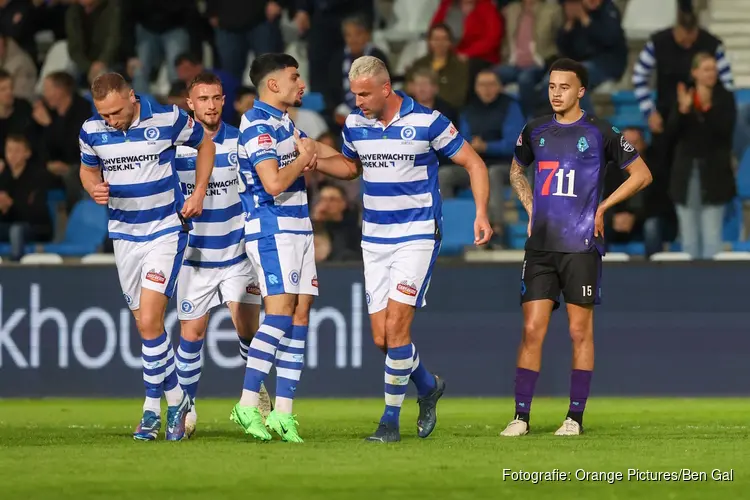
(101, 193)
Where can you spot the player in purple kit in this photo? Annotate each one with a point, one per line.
(569, 151)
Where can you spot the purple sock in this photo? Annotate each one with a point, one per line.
(580, 386)
(525, 382)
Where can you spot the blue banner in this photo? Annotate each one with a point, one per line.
(670, 329)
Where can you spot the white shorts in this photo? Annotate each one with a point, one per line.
(400, 272)
(201, 289)
(285, 264)
(151, 264)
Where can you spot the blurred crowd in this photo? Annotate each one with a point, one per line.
(474, 50)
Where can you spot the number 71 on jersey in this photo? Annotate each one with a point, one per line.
(569, 178)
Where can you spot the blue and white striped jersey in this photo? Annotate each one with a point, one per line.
(267, 133)
(144, 191)
(217, 236)
(400, 170)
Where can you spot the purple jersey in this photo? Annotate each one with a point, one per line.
(569, 164)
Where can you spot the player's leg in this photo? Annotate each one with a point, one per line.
(159, 273)
(581, 282)
(266, 255)
(290, 355)
(377, 269)
(540, 290)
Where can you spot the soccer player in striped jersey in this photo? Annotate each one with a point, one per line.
(216, 268)
(279, 242)
(127, 163)
(393, 142)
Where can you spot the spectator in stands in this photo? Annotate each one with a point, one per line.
(17, 22)
(477, 25)
(358, 43)
(19, 64)
(59, 117)
(702, 178)
(178, 95)
(670, 53)
(492, 124)
(452, 72)
(241, 27)
(24, 216)
(422, 85)
(243, 102)
(530, 44)
(188, 67)
(15, 113)
(331, 212)
(93, 30)
(592, 33)
(158, 30)
(321, 21)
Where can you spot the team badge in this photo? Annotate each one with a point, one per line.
(583, 144)
(232, 157)
(408, 133)
(151, 133)
(294, 277)
(186, 306)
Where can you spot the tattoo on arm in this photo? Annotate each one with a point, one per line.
(521, 185)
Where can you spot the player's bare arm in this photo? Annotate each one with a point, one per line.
(204, 166)
(522, 188)
(276, 180)
(91, 179)
(639, 176)
(479, 178)
(335, 164)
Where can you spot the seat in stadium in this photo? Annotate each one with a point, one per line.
(670, 257)
(35, 259)
(99, 259)
(732, 256)
(86, 230)
(458, 226)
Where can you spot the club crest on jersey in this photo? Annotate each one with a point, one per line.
(156, 276)
(186, 306)
(408, 133)
(151, 133)
(583, 144)
(407, 288)
(265, 141)
(232, 157)
(625, 145)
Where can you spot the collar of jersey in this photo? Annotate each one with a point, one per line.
(146, 110)
(221, 134)
(407, 106)
(276, 113)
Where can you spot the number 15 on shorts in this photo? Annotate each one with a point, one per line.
(587, 290)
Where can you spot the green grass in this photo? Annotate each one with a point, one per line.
(83, 449)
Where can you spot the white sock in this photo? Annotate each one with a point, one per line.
(283, 405)
(174, 395)
(249, 398)
(152, 404)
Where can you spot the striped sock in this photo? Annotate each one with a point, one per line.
(290, 358)
(172, 391)
(154, 355)
(244, 347)
(189, 363)
(398, 365)
(423, 379)
(262, 354)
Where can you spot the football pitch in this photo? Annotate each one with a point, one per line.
(82, 449)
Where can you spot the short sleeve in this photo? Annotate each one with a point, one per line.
(88, 155)
(524, 153)
(347, 145)
(444, 137)
(616, 148)
(259, 144)
(186, 131)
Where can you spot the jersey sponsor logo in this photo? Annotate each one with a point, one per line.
(186, 306)
(151, 133)
(387, 157)
(583, 144)
(288, 159)
(453, 132)
(407, 288)
(625, 145)
(265, 141)
(156, 276)
(408, 133)
(121, 163)
(253, 289)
